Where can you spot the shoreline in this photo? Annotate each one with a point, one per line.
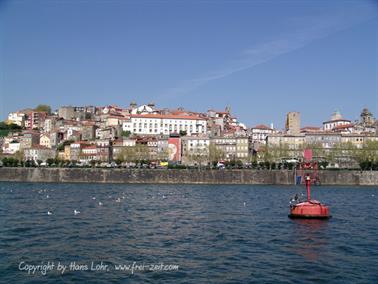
(181, 176)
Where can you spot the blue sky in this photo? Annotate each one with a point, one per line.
(263, 58)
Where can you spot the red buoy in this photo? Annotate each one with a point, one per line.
(310, 209)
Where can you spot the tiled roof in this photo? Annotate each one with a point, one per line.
(168, 116)
(262, 126)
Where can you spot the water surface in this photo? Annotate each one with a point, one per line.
(212, 233)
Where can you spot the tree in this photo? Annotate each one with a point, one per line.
(126, 133)
(135, 153)
(215, 154)
(198, 156)
(44, 108)
(19, 155)
(61, 145)
(5, 128)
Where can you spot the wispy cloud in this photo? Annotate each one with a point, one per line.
(267, 51)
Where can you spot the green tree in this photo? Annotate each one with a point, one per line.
(198, 156)
(44, 108)
(6, 128)
(126, 133)
(135, 153)
(215, 154)
(61, 145)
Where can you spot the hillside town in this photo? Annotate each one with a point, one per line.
(144, 135)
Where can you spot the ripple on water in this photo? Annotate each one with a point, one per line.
(233, 234)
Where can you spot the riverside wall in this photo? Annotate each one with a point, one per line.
(181, 176)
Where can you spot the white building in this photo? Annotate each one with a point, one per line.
(45, 140)
(195, 149)
(260, 132)
(155, 124)
(17, 118)
(10, 146)
(39, 152)
(336, 121)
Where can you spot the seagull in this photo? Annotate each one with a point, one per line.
(118, 199)
(94, 198)
(76, 212)
(100, 203)
(47, 196)
(163, 196)
(49, 213)
(244, 204)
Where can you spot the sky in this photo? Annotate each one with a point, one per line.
(261, 58)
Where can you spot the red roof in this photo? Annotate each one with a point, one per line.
(168, 116)
(37, 146)
(90, 147)
(336, 120)
(344, 126)
(262, 126)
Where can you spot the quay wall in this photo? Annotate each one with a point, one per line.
(181, 176)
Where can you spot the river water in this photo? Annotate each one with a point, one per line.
(184, 234)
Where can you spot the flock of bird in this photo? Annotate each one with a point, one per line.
(77, 212)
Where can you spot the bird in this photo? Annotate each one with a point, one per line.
(76, 212)
(100, 203)
(244, 204)
(47, 196)
(118, 199)
(49, 213)
(94, 198)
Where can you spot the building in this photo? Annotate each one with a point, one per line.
(259, 133)
(35, 120)
(358, 140)
(29, 139)
(39, 152)
(49, 124)
(242, 148)
(325, 140)
(76, 113)
(293, 123)
(311, 129)
(158, 124)
(88, 132)
(17, 118)
(75, 149)
(10, 146)
(233, 148)
(367, 118)
(45, 140)
(162, 148)
(336, 121)
(66, 112)
(292, 142)
(88, 153)
(195, 150)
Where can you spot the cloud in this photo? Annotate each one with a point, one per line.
(318, 28)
